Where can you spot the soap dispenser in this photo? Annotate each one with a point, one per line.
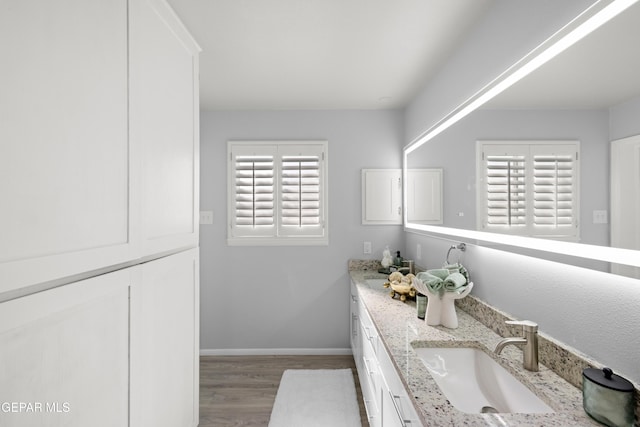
(398, 260)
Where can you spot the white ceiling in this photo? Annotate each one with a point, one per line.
(322, 54)
(600, 71)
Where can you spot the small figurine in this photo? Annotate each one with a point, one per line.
(401, 285)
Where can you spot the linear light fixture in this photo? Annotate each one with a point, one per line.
(586, 23)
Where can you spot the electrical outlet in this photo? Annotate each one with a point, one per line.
(206, 217)
(418, 251)
(366, 247)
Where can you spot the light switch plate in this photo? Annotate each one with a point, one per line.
(206, 217)
(366, 247)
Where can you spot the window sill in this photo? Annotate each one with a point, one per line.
(269, 241)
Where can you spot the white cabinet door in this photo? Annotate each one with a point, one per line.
(381, 196)
(424, 196)
(64, 355)
(397, 407)
(164, 342)
(164, 126)
(64, 160)
(356, 340)
(625, 199)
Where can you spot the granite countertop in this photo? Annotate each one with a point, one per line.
(398, 325)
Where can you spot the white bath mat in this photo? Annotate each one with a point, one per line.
(316, 398)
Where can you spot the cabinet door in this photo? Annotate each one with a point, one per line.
(164, 342)
(64, 160)
(356, 342)
(397, 407)
(424, 196)
(625, 199)
(381, 196)
(370, 379)
(164, 126)
(64, 355)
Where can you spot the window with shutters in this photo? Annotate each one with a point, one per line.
(529, 188)
(277, 193)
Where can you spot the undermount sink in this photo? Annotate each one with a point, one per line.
(475, 383)
(375, 283)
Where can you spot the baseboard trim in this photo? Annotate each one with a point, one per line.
(275, 352)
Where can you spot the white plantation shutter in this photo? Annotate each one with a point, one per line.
(528, 188)
(300, 191)
(506, 190)
(554, 189)
(278, 193)
(253, 191)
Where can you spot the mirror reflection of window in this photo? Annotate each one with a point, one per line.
(529, 188)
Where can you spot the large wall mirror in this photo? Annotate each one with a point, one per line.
(589, 93)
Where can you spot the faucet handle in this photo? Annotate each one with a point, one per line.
(527, 325)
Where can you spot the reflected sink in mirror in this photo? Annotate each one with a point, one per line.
(475, 383)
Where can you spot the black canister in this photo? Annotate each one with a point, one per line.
(608, 398)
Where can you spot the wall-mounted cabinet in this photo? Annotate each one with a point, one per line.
(424, 201)
(382, 196)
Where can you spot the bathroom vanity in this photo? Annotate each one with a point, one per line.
(397, 388)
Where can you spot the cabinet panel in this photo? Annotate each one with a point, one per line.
(165, 342)
(381, 196)
(398, 409)
(63, 125)
(65, 353)
(164, 125)
(386, 399)
(424, 196)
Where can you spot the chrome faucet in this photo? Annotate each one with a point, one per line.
(530, 341)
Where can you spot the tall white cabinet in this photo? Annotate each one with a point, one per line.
(99, 155)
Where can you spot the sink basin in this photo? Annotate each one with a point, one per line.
(376, 283)
(475, 383)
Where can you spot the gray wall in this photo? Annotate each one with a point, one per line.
(510, 29)
(625, 119)
(290, 299)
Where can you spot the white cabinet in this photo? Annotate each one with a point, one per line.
(99, 164)
(164, 110)
(64, 352)
(165, 342)
(99, 181)
(381, 196)
(424, 196)
(364, 344)
(356, 343)
(397, 408)
(369, 374)
(64, 156)
(386, 399)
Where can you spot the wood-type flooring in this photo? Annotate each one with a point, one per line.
(239, 391)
